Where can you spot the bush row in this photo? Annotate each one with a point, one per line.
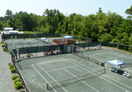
(3, 46)
(12, 68)
(15, 77)
(17, 82)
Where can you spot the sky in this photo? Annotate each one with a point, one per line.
(83, 7)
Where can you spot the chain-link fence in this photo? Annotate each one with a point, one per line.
(119, 46)
(81, 49)
(19, 36)
(14, 58)
(32, 52)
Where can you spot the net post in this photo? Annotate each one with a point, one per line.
(99, 46)
(104, 70)
(88, 58)
(47, 86)
(73, 48)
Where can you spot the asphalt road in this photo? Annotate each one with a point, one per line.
(6, 83)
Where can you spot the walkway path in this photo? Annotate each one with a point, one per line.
(6, 83)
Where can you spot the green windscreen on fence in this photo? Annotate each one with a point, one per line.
(87, 44)
(8, 36)
(40, 49)
(14, 52)
(117, 45)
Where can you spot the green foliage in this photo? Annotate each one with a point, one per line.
(11, 65)
(130, 49)
(2, 44)
(18, 85)
(17, 82)
(13, 70)
(130, 40)
(105, 38)
(1, 26)
(15, 77)
(108, 27)
(129, 12)
(28, 55)
(21, 90)
(4, 49)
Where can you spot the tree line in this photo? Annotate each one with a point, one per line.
(102, 27)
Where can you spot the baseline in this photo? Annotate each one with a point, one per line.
(42, 77)
(52, 78)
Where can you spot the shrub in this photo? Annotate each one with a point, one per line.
(13, 70)
(4, 48)
(11, 65)
(21, 90)
(15, 77)
(18, 85)
(28, 55)
(2, 44)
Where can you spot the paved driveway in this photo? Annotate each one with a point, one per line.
(6, 83)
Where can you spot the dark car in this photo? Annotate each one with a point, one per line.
(116, 70)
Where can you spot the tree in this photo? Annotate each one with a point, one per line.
(23, 21)
(100, 10)
(1, 26)
(8, 14)
(51, 20)
(105, 38)
(130, 40)
(9, 18)
(129, 12)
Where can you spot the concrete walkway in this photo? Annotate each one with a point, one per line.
(6, 83)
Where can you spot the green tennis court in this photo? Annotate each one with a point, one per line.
(30, 42)
(69, 73)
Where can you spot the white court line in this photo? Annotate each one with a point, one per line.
(82, 81)
(14, 44)
(24, 80)
(104, 53)
(116, 80)
(129, 68)
(61, 68)
(117, 56)
(98, 76)
(110, 58)
(43, 77)
(51, 61)
(52, 78)
(99, 53)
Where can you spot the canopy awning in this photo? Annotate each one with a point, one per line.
(68, 37)
(116, 62)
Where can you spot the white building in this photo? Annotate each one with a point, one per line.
(9, 30)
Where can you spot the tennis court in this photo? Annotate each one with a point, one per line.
(70, 73)
(30, 42)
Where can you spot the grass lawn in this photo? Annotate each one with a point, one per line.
(31, 32)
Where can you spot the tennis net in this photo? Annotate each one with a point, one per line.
(80, 52)
(68, 81)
